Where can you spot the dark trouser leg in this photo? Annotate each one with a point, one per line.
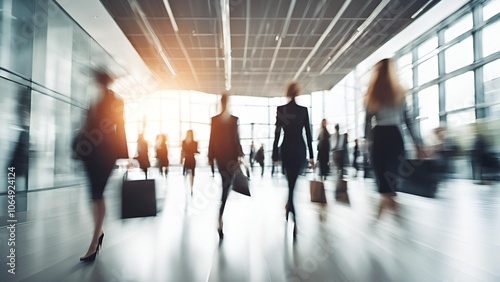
(226, 183)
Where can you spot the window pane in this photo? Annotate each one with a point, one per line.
(490, 9)
(490, 39)
(461, 118)
(428, 70)
(460, 91)
(406, 79)
(458, 28)
(492, 85)
(16, 36)
(428, 104)
(427, 47)
(459, 55)
(404, 61)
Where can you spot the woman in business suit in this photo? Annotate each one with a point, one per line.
(189, 148)
(292, 118)
(224, 147)
(385, 113)
(105, 143)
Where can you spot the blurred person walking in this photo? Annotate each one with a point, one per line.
(385, 112)
(225, 149)
(252, 155)
(292, 119)
(142, 155)
(324, 150)
(100, 143)
(355, 155)
(259, 158)
(162, 154)
(189, 148)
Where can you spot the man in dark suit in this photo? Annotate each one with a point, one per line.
(225, 148)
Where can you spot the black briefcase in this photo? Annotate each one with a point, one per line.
(419, 178)
(138, 198)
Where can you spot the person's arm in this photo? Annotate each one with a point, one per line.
(368, 127)
(307, 125)
(277, 135)
(409, 121)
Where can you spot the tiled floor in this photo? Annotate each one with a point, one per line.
(455, 237)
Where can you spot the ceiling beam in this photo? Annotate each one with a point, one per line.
(322, 38)
(360, 30)
(150, 34)
(226, 32)
(280, 38)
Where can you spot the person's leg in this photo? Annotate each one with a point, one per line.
(227, 174)
(191, 180)
(262, 166)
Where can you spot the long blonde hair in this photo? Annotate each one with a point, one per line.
(384, 88)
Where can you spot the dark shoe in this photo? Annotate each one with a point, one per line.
(221, 234)
(101, 238)
(91, 257)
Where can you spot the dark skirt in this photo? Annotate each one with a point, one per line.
(190, 163)
(98, 174)
(293, 159)
(387, 154)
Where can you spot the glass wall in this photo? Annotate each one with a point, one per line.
(45, 58)
(451, 70)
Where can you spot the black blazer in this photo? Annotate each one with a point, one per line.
(106, 125)
(224, 142)
(292, 118)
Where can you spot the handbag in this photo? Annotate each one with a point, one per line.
(341, 194)
(317, 192)
(240, 182)
(317, 189)
(138, 198)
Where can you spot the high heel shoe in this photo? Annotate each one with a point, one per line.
(91, 257)
(221, 234)
(101, 238)
(219, 230)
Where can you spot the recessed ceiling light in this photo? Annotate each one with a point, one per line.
(95, 17)
(308, 69)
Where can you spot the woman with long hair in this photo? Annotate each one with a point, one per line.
(386, 111)
(104, 120)
(189, 148)
(292, 118)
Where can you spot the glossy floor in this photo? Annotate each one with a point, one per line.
(455, 237)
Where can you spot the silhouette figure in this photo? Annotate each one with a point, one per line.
(259, 158)
(224, 148)
(142, 155)
(189, 148)
(292, 119)
(385, 104)
(162, 154)
(324, 150)
(104, 143)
